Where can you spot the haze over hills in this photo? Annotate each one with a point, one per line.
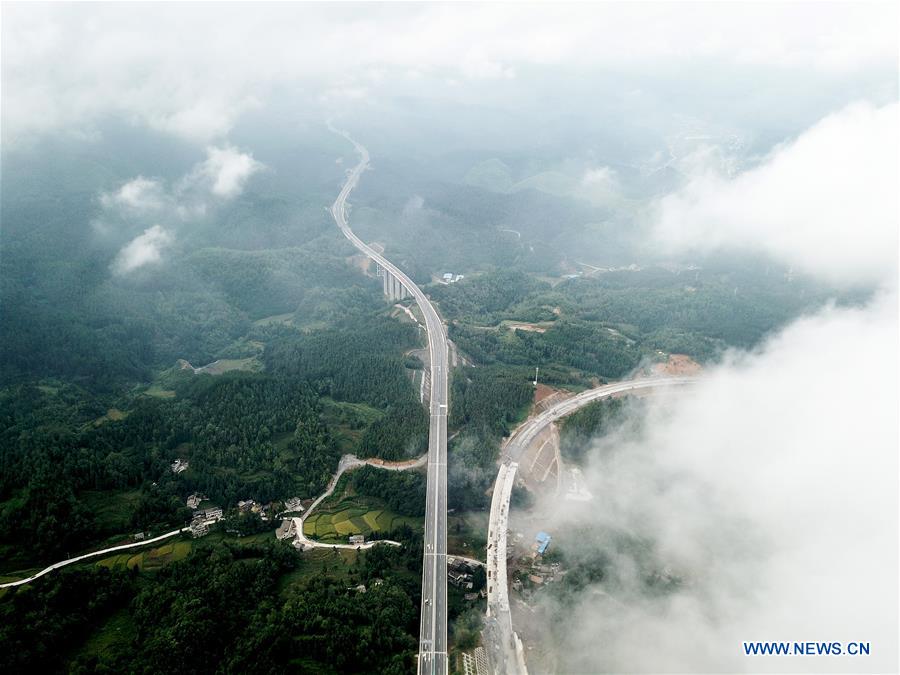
(191, 348)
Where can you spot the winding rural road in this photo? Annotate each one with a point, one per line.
(433, 624)
(93, 554)
(501, 640)
(348, 463)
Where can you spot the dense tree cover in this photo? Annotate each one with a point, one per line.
(737, 307)
(605, 324)
(42, 622)
(431, 225)
(363, 364)
(466, 630)
(401, 434)
(521, 498)
(402, 491)
(344, 307)
(104, 331)
(587, 347)
(488, 399)
(158, 506)
(46, 520)
(225, 426)
(263, 283)
(487, 298)
(221, 610)
(596, 419)
(247, 436)
(68, 314)
(485, 402)
(471, 469)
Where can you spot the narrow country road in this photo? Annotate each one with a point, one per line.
(347, 463)
(93, 554)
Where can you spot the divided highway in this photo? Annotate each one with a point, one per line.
(433, 626)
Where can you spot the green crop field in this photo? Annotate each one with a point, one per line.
(353, 515)
(152, 559)
(115, 562)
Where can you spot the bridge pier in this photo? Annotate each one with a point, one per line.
(391, 285)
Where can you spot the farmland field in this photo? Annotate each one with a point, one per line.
(354, 515)
(151, 559)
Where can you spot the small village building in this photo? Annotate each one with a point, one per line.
(293, 504)
(193, 502)
(287, 529)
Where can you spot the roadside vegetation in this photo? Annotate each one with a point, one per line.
(622, 414)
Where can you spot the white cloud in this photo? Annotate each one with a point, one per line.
(771, 488)
(221, 176)
(148, 64)
(349, 93)
(600, 184)
(145, 249)
(201, 119)
(826, 202)
(225, 171)
(139, 195)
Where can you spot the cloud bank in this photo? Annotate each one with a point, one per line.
(771, 489)
(825, 202)
(176, 69)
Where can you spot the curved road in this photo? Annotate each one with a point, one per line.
(93, 554)
(433, 625)
(504, 644)
(348, 463)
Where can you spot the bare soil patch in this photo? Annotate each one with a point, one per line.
(678, 365)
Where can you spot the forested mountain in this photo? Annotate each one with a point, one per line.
(223, 610)
(604, 324)
(225, 426)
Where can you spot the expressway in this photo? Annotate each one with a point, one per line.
(500, 638)
(521, 438)
(433, 626)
